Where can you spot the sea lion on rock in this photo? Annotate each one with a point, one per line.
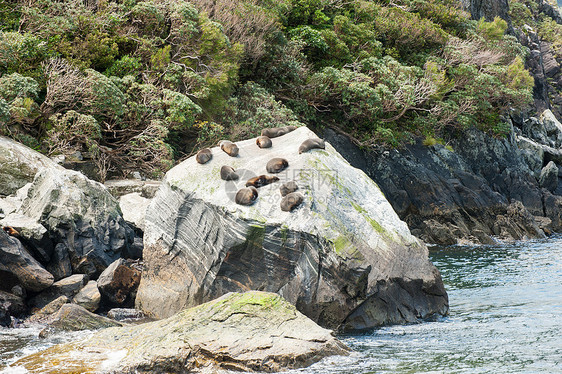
(228, 173)
(262, 180)
(291, 201)
(229, 147)
(204, 155)
(263, 142)
(312, 143)
(288, 187)
(11, 231)
(276, 165)
(246, 196)
(274, 132)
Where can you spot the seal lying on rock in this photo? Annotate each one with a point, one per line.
(229, 147)
(262, 180)
(276, 165)
(288, 187)
(312, 143)
(274, 132)
(204, 155)
(263, 142)
(228, 173)
(291, 201)
(246, 196)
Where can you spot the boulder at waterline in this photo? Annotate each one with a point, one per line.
(328, 256)
(68, 287)
(19, 164)
(119, 282)
(10, 305)
(16, 260)
(72, 317)
(82, 214)
(254, 331)
(88, 297)
(124, 314)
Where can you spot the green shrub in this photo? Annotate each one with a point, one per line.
(492, 30)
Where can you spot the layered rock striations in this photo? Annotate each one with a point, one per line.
(343, 257)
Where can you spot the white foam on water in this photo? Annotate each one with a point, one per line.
(113, 358)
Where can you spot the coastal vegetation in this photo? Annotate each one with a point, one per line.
(141, 84)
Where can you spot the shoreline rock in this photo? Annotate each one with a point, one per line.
(328, 257)
(253, 331)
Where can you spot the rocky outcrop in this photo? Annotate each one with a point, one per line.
(343, 257)
(487, 9)
(134, 207)
(33, 235)
(72, 317)
(480, 190)
(17, 264)
(82, 215)
(10, 305)
(254, 331)
(68, 287)
(125, 314)
(18, 165)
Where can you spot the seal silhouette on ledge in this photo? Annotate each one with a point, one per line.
(291, 201)
(312, 143)
(204, 155)
(11, 231)
(276, 165)
(263, 141)
(262, 180)
(246, 196)
(228, 173)
(288, 187)
(274, 132)
(229, 147)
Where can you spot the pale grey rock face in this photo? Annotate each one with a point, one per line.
(18, 165)
(250, 332)
(134, 208)
(549, 177)
(81, 214)
(33, 234)
(342, 248)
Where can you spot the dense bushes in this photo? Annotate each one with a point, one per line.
(139, 84)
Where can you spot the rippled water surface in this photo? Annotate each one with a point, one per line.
(505, 317)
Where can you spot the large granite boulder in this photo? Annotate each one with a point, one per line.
(81, 214)
(68, 287)
(88, 297)
(73, 317)
(343, 258)
(19, 164)
(254, 331)
(16, 262)
(119, 282)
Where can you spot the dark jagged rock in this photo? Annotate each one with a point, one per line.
(59, 265)
(447, 196)
(16, 260)
(32, 234)
(549, 177)
(68, 287)
(81, 214)
(72, 317)
(488, 9)
(327, 257)
(119, 282)
(254, 331)
(10, 305)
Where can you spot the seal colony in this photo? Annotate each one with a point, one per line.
(248, 194)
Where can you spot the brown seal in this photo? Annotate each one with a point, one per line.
(228, 173)
(246, 196)
(204, 155)
(274, 132)
(276, 165)
(262, 180)
(11, 231)
(229, 147)
(263, 141)
(312, 143)
(288, 187)
(291, 201)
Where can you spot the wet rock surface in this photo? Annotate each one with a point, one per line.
(119, 282)
(327, 256)
(254, 331)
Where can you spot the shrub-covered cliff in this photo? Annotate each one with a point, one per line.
(139, 84)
